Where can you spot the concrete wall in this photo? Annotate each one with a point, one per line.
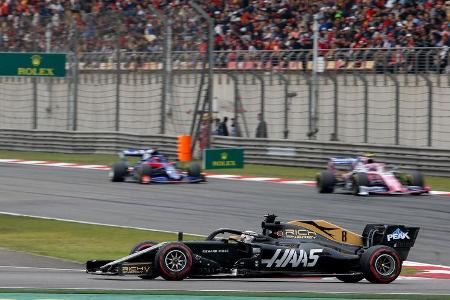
(140, 97)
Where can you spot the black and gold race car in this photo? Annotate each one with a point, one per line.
(294, 248)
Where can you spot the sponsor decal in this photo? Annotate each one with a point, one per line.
(298, 234)
(398, 235)
(321, 228)
(294, 257)
(215, 251)
(136, 269)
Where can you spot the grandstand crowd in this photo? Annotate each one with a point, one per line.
(101, 25)
(274, 25)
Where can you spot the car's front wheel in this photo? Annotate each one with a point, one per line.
(194, 170)
(174, 261)
(118, 171)
(141, 246)
(381, 264)
(358, 180)
(325, 182)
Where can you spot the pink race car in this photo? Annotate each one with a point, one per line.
(363, 176)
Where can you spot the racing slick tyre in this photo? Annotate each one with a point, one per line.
(381, 264)
(194, 170)
(358, 180)
(325, 182)
(174, 261)
(350, 278)
(141, 246)
(118, 171)
(144, 174)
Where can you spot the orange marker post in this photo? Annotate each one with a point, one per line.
(184, 148)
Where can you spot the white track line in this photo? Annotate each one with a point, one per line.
(42, 268)
(93, 223)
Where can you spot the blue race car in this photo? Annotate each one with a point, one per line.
(152, 167)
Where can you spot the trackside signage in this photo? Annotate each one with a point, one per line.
(33, 64)
(226, 158)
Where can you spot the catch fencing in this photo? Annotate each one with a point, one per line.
(390, 109)
(153, 71)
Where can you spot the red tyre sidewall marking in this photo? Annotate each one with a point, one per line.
(374, 271)
(162, 266)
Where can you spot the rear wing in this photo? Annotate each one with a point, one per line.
(135, 152)
(340, 162)
(399, 237)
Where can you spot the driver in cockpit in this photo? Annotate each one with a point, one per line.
(248, 236)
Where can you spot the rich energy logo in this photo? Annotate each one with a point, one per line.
(294, 257)
(299, 234)
(136, 269)
(398, 235)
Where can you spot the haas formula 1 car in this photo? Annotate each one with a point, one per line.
(152, 167)
(362, 176)
(295, 248)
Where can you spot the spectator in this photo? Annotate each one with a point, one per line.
(234, 129)
(261, 129)
(223, 128)
(216, 129)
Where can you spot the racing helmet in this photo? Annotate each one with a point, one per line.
(248, 236)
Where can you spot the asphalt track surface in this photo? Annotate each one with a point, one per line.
(86, 195)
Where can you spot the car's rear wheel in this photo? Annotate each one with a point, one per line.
(144, 174)
(174, 261)
(325, 182)
(118, 171)
(350, 278)
(416, 179)
(381, 264)
(194, 170)
(358, 180)
(141, 246)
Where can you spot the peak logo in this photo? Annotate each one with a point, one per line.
(398, 235)
(294, 257)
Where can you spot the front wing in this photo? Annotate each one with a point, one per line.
(383, 190)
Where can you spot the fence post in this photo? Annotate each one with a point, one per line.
(34, 82)
(335, 134)
(210, 52)
(430, 108)
(286, 104)
(75, 93)
(72, 98)
(35, 103)
(238, 107)
(366, 106)
(118, 82)
(262, 95)
(397, 107)
(167, 63)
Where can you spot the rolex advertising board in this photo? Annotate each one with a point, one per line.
(226, 158)
(33, 64)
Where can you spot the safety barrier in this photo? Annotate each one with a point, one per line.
(313, 154)
(84, 142)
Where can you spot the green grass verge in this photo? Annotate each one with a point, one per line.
(437, 183)
(73, 241)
